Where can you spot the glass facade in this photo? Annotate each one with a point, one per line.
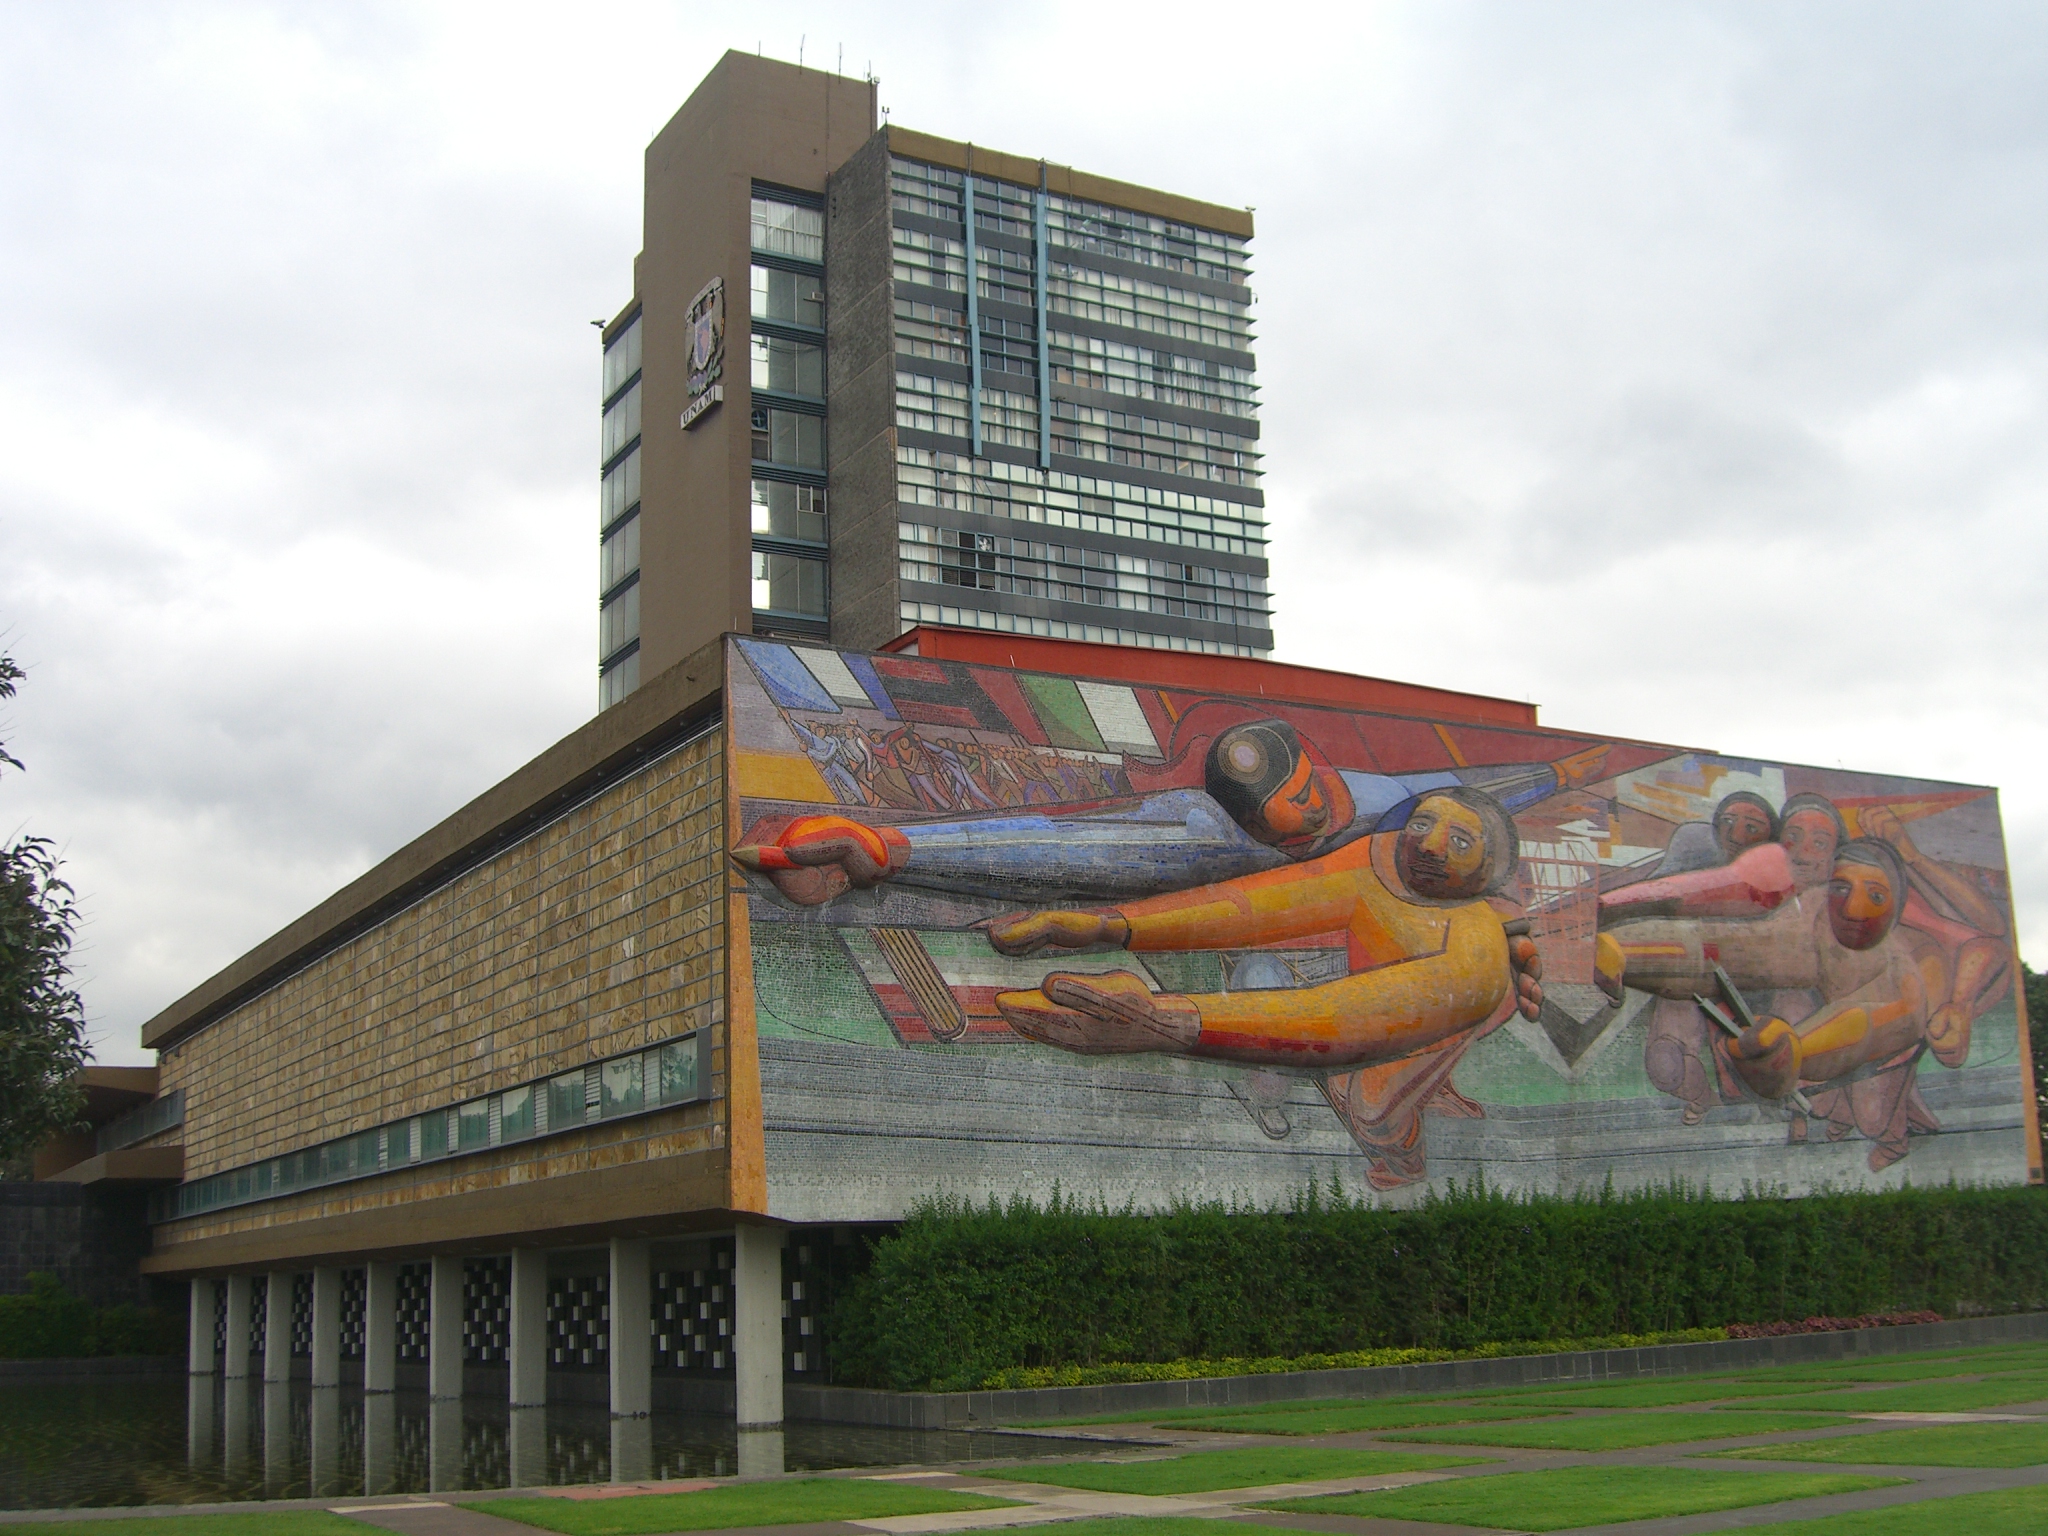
(790, 536)
(618, 523)
(1078, 379)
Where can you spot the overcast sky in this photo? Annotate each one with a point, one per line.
(1682, 368)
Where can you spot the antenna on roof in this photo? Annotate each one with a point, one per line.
(842, 60)
(802, 37)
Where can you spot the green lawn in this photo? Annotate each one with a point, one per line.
(1206, 1471)
(2009, 1512)
(283, 1522)
(1663, 1393)
(1924, 1397)
(795, 1502)
(1624, 1431)
(1937, 1445)
(1350, 1418)
(1574, 1496)
(1910, 1367)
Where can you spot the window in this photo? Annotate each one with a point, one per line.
(433, 1134)
(793, 367)
(789, 437)
(794, 298)
(785, 511)
(619, 621)
(789, 584)
(565, 1101)
(619, 1082)
(622, 358)
(619, 555)
(473, 1125)
(788, 230)
(515, 1113)
(621, 423)
(618, 680)
(678, 1071)
(621, 490)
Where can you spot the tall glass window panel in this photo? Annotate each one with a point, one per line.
(473, 1125)
(622, 358)
(433, 1133)
(793, 367)
(619, 621)
(621, 422)
(785, 511)
(619, 1082)
(794, 298)
(515, 1113)
(621, 490)
(678, 1079)
(789, 437)
(619, 555)
(788, 230)
(565, 1101)
(789, 584)
(619, 679)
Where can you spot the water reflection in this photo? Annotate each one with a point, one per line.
(210, 1439)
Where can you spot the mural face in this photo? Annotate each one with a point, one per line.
(1011, 928)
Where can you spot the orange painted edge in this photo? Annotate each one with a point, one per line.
(1243, 675)
(745, 1138)
(2031, 1112)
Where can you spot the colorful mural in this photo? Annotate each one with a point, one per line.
(1161, 942)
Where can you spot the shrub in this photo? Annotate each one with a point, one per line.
(48, 1323)
(960, 1294)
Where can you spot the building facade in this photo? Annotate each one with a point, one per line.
(871, 378)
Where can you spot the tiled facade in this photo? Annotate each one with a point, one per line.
(599, 932)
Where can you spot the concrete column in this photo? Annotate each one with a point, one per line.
(277, 1436)
(199, 1336)
(529, 1343)
(633, 1449)
(444, 1445)
(528, 1440)
(327, 1327)
(631, 1355)
(761, 1453)
(380, 1443)
(277, 1327)
(444, 1331)
(240, 1292)
(380, 1328)
(326, 1474)
(235, 1422)
(756, 1326)
(200, 1429)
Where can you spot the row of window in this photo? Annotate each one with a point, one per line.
(785, 229)
(1144, 442)
(1110, 298)
(795, 439)
(621, 423)
(622, 355)
(618, 553)
(1078, 574)
(1063, 629)
(619, 491)
(1120, 368)
(790, 367)
(675, 1072)
(620, 676)
(618, 622)
(786, 511)
(784, 583)
(791, 298)
(790, 584)
(1057, 499)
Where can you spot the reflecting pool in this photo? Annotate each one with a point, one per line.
(204, 1440)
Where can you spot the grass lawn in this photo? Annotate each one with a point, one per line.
(1925, 1396)
(2008, 1512)
(282, 1522)
(1909, 1367)
(1655, 1394)
(1575, 1496)
(795, 1502)
(1349, 1418)
(1938, 1445)
(1206, 1471)
(1624, 1431)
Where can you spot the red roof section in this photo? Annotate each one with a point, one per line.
(1193, 670)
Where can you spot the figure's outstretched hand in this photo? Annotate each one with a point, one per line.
(1527, 964)
(1767, 1058)
(1108, 1014)
(1026, 933)
(816, 858)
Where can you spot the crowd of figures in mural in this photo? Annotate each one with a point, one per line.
(1354, 901)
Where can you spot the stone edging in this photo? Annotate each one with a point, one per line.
(986, 1410)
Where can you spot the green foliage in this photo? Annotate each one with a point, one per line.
(48, 1323)
(42, 1021)
(2036, 986)
(959, 1294)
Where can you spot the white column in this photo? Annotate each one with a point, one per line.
(633, 1449)
(200, 1433)
(444, 1445)
(277, 1327)
(757, 1326)
(444, 1331)
(199, 1335)
(327, 1327)
(277, 1436)
(240, 1292)
(529, 1344)
(380, 1443)
(380, 1328)
(631, 1354)
(528, 1439)
(326, 1445)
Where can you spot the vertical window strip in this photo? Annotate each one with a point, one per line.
(1038, 306)
(973, 320)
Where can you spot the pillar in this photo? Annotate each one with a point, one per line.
(277, 1327)
(444, 1331)
(199, 1336)
(380, 1443)
(631, 1353)
(240, 1290)
(277, 1434)
(326, 1458)
(327, 1327)
(380, 1328)
(527, 1440)
(756, 1326)
(633, 1449)
(444, 1445)
(200, 1434)
(529, 1343)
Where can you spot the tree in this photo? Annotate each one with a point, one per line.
(2037, 1028)
(42, 1020)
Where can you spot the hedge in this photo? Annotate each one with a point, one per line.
(48, 1323)
(960, 1295)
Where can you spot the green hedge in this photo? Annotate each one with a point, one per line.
(47, 1323)
(959, 1294)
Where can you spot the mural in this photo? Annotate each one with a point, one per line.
(1157, 942)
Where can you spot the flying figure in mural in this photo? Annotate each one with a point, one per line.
(1414, 871)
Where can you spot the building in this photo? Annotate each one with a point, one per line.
(1064, 446)
(797, 935)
